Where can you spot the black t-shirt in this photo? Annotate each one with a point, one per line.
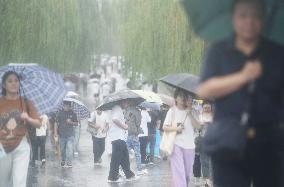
(65, 130)
(153, 124)
(266, 103)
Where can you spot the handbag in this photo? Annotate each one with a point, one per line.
(168, 139)
(92, 131)
(227, 138)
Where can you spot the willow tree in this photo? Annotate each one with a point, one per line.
(55, 33)
(157, 38)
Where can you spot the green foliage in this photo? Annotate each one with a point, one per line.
(153, 35)
(49, 32)
(157, 38)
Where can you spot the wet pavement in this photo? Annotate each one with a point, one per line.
(85, 174)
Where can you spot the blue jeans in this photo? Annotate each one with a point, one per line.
(133, 143)
(66, 148)
(77, 130)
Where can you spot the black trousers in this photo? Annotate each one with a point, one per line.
(38, 145)
(98, 148)
(119, 157)
(262, 165)
(143, 146)
(152, 142)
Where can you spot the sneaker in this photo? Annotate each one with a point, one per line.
(76, 154)
(62, 163)
(115, 181)
(151, 163)
(134, 178)
(97, 163)
(43, 161)
(142, 172)
(69, 165)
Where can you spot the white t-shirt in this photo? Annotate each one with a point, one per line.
(186, 138)
(115, 132)
(102, 120)
(145, 119)
(44, 124)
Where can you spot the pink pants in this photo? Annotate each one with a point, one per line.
(182, 166)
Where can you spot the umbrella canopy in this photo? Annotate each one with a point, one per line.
(212, 19)
(149, 96)
(79, 108)
(72, 94)
(183, 81)
(110, 101)
(151, 106)
(40, 85)
(167, 100)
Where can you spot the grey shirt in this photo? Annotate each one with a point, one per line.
(133, 120)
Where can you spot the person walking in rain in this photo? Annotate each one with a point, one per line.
(41, 140)
(133, 121)
(99, 121)
(13, 130)
(118, 135)
(152, 131)
(246, 72)
(180, 120)
(66, 120)
(205, 118)
(143, 137)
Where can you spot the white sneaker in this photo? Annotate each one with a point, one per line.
(119, 180)
(76, 154)
(142, 172)
(134, 178)
(97, 163)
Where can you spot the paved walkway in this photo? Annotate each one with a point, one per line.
(85, 174)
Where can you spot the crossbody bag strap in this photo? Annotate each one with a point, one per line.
(173, 115)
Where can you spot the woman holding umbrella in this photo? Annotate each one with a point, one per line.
(179, 119)
(14, 120)
(245, 76)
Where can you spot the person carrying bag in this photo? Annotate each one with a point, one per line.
(178, 139)
(168, 139)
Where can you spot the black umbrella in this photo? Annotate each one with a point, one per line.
(110, 101)
(183, 81)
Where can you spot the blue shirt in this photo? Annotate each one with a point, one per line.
(266, 103)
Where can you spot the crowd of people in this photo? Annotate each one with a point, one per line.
(248, 90)
(126, 125)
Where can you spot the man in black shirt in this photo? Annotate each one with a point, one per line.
(248, 69)
(66, 119)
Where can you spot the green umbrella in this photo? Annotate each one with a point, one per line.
(211, 19)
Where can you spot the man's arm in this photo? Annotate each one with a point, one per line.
(119, 124)
(221, 86)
